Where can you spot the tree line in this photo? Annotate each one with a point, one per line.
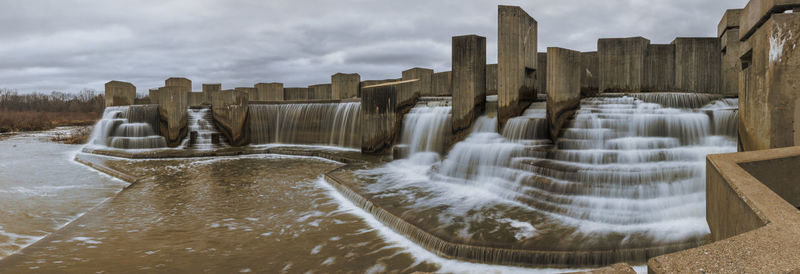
(87, 100)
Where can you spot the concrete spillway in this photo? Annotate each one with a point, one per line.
(624, 180)
(425, 129)
(201, 121)
(128, 127)
(335, 124)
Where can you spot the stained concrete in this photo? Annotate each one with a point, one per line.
(153, 95)
(195, 98)
(295, 94)
(269, 92)
(251, 93)
(730, 20)
(344, 85)
(178, 82)
(516, 61)
(728, 33)
(621, 63)
(469, 80)
(590, 84)
(698, 65)
(541, 73)
(119, 93)
(659, 68)
(491, 79)
(173, 103)
(319, 92)
(564, 70)
(440, 84)
(230, 109)
(424, 85)
(381, 115)
(769, 101)
(759, 11)
(208, 92)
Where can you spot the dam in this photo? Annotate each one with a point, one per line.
(634, 157)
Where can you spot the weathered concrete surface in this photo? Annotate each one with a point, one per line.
(730, 20)
(269, 92)
(516, 61)
(754, 229)
(564, 87)
(381, 115)
(318, 92)
(119, 93)
(620, 268)
(153, 95)
(208, 92)
(344, 85)
(541, 73)
(251, 93)
(469, 80)
(173, 103)
(731, 62)
(769, 101)
(621, 63)
(659, 68)
(230, 110)
(758, 12)
(295, 94)
(424, 85)
(195, 98)
(441, 83)
(590, 84)
(491, 79)
(178, 82)
(698, 65)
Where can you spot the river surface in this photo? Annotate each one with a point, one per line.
(261, 214)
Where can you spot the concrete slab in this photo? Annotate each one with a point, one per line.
(516, 61)
(469, 80)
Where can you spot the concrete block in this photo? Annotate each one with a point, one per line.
(173, 103)
(295, 94)
(730, 20)
(759, 11)
(119, 93)
(621, 63)
(469, 80)
(153, 95)
(208, 91)
(179, 82)
(441, 83)
(590, 84)
(541, 73)
(516, 61)
(659, 68)
(319, 92)
(269, 92)
(381, 115)
(491, 79)
(698, 65)
(345, 85)
(564, 69)
(367, 83)
(230, 108)
(251, 93)
(424, 85)
(195, 99)
(731, 64)
(769, 101)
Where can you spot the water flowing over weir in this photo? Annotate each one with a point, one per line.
(201, 120)
(624, 181)
(333, 124)
(128, 127)
(425, 128)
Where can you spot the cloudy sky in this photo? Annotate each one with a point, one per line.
(71, 45)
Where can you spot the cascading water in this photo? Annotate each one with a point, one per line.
(623, 174)
(201, 120)
(128, 127)
(425, 128)
(333, 124)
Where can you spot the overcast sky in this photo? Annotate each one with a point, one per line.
(71, 45)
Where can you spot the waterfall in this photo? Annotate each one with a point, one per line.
(201, 121)
(426, 128)
(624, 173)
(335, 124)
(128, 127)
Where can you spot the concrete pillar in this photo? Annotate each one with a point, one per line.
(441, 84)
(295, 94)
(424, 76)
(491, 79)
(270, 91)
(230, 109)
(541, 73)
(208, 91)
(728, 32)
(153, 95)
(621, 62)
(251, 93)
(563, 87)
(769, 101)
(345, 85)
(698, 65)
(173, 103)
(119, 93)
(319, 92)
(516, 61)
(179, 82)
(469, 80)
(195, 99)
(659, 68)
(381, 113)
(590, 84)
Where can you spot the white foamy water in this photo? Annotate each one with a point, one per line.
(425, 129)
(128, 127)
(201, 120)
